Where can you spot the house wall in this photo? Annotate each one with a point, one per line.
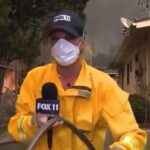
(133, 60)
(148, 63)
(9, 81)
(13, 75)
(129, 74)
(134, 71)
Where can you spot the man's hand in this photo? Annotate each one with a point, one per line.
(40, 119)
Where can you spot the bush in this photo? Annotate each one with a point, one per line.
(140, 108)
(7, 108)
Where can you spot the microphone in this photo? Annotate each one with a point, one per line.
(48, 104)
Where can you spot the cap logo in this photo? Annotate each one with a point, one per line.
(62, 18)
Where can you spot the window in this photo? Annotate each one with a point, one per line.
(130, 65)
(122, 78)
(137, 57)
(128, 74)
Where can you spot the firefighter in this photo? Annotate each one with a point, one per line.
(89, 98)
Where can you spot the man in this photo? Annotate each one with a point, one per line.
(88, 98)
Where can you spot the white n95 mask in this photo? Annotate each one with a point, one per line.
(64, 52)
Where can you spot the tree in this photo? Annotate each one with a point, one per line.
(22, 23)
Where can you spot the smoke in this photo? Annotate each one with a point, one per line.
(103, 26)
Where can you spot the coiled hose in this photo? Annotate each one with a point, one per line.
(50, 124)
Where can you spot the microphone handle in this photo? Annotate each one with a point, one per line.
(49, 125)
(49, 138)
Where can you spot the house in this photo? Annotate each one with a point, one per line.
(111, 72)
(13, 74)
(133, 58)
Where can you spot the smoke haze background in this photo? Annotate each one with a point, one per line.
(104, 28)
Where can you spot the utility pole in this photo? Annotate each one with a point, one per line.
(145, 5)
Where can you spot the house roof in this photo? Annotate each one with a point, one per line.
(141, 23)
(137, 32)
(111, 72)
(6, 67)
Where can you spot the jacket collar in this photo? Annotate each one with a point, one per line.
(82, 86)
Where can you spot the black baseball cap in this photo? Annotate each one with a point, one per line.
(68, 21)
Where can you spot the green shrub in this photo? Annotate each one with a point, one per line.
(7, 108)
(140, 108)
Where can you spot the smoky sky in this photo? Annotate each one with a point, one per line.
(104, 29)
(103, 26)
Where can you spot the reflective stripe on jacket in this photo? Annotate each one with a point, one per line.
(92, 104)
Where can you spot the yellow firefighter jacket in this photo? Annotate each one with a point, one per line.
(94, 103)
